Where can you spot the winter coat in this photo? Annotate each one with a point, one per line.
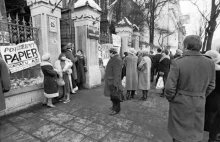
(212, 107)
(50, 76)
(70, 56)
(80, 64)
(131, 72)
(144, 74)
(65, 72)
(190, 80)
(164, 66)
(113, 74)
(5, 84)
(156, 59)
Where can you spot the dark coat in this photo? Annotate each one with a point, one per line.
(70, 56)
(81, 76)
(164, 66)
(113, 74)
(155, 61)
(212, 108)
(190, 80)
(5, 83)
(50, 76)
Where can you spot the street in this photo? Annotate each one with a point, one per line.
(86, 119)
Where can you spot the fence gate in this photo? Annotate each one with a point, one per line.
(15, 31)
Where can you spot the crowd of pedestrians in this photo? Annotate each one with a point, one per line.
(66, 76)
(190, 80)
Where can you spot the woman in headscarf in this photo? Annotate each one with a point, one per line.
(81, 69)
(63, 65)
(212, 106)
(50, 84)
(144, 73)
(131, 62)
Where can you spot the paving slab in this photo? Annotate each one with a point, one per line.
(85, 119)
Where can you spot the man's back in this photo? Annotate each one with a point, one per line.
(195, 72)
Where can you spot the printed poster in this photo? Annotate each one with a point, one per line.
(21, 56)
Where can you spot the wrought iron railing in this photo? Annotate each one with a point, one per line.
(105, 38)
(15, 31)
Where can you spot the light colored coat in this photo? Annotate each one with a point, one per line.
(144, 75)
(190, 80)
(131, 62)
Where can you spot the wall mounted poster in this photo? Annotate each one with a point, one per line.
(20, 56)
(52, 24)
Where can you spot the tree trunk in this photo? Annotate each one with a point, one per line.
(204, 42)
(209, 41)
(152, 22)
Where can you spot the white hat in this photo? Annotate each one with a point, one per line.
(132, 51)
(46, 57)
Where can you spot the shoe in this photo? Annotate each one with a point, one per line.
(66, 101)
(75, 89)
(51, 105)
(73, 92)
(113, 113)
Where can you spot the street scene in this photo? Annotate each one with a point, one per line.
(109, 71)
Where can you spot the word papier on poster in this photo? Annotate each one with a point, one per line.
(20, 56)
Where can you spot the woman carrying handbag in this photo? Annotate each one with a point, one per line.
(63, 65)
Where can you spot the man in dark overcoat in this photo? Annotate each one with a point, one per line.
(113, 78)
(155, 63)
(190, 80)
(5, 83)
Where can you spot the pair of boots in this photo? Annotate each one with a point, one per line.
(144, 95)
(130, 94)
(48, 102)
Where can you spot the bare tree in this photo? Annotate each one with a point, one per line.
(142, 13)
(164, 33)
(212, 22)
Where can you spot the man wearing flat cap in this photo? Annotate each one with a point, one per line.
(191, 79)
(113, 78)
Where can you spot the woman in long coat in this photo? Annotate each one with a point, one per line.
(50, 84)
(144, 75)
(68, 50)
(131, 62)
(5, 84)
(212, 107)
(80, 67)
(63, 66)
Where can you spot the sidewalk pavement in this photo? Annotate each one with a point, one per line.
(86, 119)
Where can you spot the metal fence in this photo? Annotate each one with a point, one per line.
(15, 31)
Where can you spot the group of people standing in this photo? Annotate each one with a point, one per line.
(70, 68)
(191, 81)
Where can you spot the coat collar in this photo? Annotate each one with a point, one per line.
(192, 53)
(44, 63)
(113, 58)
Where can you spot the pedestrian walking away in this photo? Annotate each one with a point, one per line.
(190, 80)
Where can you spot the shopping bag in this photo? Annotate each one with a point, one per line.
(123, 82)
(160, 83)
(117, 95)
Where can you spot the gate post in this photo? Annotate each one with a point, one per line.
(136, 39)
(86, 18)
(47, 18)
(125, 30)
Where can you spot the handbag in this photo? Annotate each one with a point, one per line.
(60, 81)
(117, 95)
(160, 83)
